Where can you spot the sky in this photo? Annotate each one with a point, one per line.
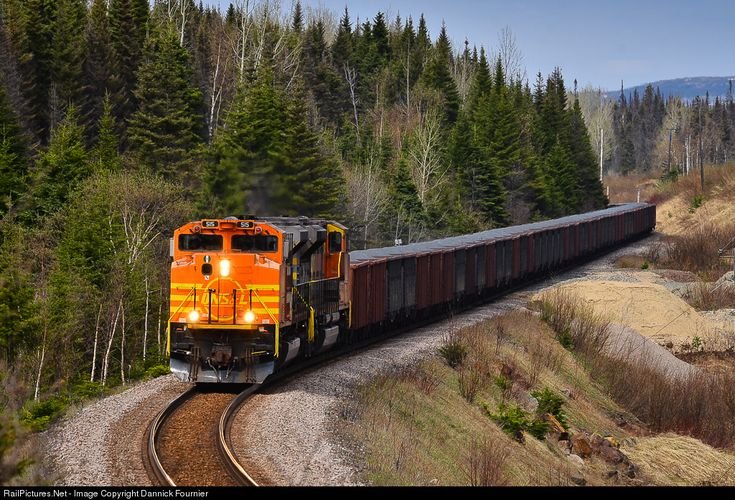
(597, 42)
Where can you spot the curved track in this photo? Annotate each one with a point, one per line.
(183, 436)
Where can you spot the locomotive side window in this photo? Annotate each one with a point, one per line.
(335, 242)
(200, 242)
(257, 243)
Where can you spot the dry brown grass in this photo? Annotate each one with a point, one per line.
(670, 459)
(624, 189)
(697, 250)
(715, 178)
(632, 262)
(696, 403)
(710, 296)
(484, 462)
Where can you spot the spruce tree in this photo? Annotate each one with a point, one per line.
(106, 156)
(98, 69)
(68, 49)
(342, 47)
(167, 129)
(297, 23)
(590, 188)
(324, 84)
(437, 76)
(250, 149)
(36, 64)
(128, 25)
(311, 184)
(13, 157)
(62, 166)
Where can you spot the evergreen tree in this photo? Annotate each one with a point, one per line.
(97, 65)
(562, 173)
(311, 183)
(590, 188)
(106, 155)
(250, 148)
(63, 166)
(128, 25)
(297, 23)
(342, 46)
(18, 310)
(13, 157)
(481, 82)
(36, 65)
(437, 76)
(324, 84)
(167, 129)
(68, 49)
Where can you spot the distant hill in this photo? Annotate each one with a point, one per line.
(686, 88)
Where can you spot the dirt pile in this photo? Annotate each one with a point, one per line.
(648, 308)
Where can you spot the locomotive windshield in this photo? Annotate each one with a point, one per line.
(256, 243)
(200, 242)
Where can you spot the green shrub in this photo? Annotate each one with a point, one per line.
(453, 352)
(84, 389)
(644, 266)
(512, 419)
(157, 371)
(550, 402)
(38, 416)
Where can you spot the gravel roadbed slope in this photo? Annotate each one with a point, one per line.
(101, 444)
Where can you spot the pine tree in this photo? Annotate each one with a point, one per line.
(250, 149)
(562, 173)
(438, 77)
(97, 66)
(325, 85)
(311, 184)
(342, 47)
(36, 64)
(297, 23)
(63, 166)
(590, 188)
(106, 155)
(128, 25)
(13, 157)
(168, 127)
(18, 309)
(68, 49)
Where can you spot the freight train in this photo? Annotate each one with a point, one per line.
(250, 295)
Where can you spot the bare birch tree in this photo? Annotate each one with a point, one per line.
(368, 197)
(424, 153)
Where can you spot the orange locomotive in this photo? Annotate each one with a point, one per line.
(249, 295)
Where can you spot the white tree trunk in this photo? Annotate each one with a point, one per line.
(40, 363)
(94, 349)
(145, 320)
(106, 359)
(122, 345)
(158, 323)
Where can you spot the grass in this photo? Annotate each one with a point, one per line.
(700, 404)
(416, 433)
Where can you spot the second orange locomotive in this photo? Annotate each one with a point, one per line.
(247, 293)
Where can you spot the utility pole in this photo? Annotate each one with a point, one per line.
(670, 130)
(602, 143)
(701, 153)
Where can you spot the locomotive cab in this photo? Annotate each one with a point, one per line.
(249, 294)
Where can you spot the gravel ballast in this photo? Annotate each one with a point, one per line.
(101, 444)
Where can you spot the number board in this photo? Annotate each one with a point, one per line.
(245, 224)
(210, 223)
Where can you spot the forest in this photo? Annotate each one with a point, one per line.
(121, 120)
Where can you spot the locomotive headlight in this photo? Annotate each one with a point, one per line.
(224, 268)
(194, 316)
(249, 317)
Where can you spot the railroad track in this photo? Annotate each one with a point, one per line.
(183, 435)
